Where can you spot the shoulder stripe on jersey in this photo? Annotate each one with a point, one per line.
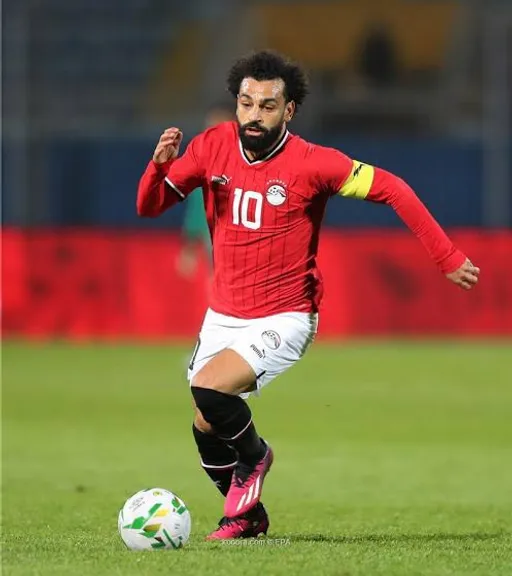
(175, 188)
(359, 182)
(277, 147)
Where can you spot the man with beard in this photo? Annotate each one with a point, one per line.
(265, 192)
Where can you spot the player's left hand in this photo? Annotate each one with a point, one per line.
(466, 276)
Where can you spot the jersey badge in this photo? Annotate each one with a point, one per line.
(276, 192)
(271, 339)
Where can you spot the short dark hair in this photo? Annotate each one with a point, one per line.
(270, 65)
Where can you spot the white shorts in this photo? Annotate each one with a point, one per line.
(270, 345)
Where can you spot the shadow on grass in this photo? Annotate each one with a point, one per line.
(390, 538)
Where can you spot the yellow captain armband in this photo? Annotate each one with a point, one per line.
(358, 184)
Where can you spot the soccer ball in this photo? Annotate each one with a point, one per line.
(154, 518)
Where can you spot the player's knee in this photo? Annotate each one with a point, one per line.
(228, 372)
(215, 407)
(201, 424)
(203, 379)
(211, 378)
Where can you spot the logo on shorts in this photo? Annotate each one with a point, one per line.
(258, 352)
(271, 339)
(276, 192)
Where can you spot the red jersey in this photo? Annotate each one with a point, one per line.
(265, 215)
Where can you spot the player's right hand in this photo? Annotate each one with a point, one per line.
(168, 146)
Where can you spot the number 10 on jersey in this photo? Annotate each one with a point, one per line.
(241, 202)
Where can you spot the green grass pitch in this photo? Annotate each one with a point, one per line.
(391, 459)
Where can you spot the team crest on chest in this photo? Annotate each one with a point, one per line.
(276, 192)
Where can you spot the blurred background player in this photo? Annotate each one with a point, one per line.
(195, 232)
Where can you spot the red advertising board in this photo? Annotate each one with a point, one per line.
(107, 285)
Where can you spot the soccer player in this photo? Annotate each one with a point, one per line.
(265, 192)
(195, 228)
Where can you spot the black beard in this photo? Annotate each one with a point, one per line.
(258, 144)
